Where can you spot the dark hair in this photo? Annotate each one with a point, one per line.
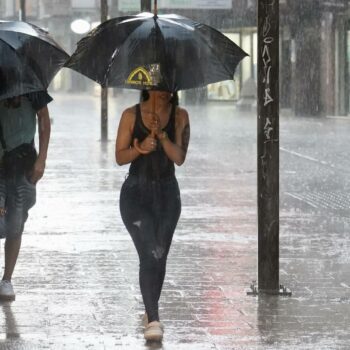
(144, 96)
(174, 100)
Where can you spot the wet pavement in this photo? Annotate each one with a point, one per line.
(77, 275)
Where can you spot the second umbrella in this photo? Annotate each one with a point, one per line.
(29, 58)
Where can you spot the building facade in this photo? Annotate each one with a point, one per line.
(315, 50)
(314, 44)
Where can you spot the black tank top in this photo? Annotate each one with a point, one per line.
(155, 165)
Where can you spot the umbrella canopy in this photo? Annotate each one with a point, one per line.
(29, 58)
(159, 52)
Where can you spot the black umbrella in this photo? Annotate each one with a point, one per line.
(29, 58)
(159, 52)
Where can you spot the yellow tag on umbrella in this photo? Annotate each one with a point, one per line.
(146, 76)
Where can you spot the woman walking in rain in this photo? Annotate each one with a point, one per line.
(152, 136)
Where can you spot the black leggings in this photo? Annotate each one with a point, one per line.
(150, 211)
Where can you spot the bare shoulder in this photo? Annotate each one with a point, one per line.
(182, 117)
(127, 120)
(129, 113)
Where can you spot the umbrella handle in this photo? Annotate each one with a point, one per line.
(153, 134)
(138, 147)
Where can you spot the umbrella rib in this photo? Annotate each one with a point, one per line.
(109, 66)
(180, 24)
(114, 54)
(162, 52)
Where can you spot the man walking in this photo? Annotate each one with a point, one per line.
(21, 167)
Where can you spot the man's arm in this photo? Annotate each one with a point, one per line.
(44, 127)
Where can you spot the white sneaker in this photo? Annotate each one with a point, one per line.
(154, 331)
(6, 291)
(145, 319)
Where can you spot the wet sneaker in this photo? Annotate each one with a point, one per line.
(145, 319)
(6, 291)
(154, 331)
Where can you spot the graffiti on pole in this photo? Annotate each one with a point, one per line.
(266, 57)
(268, 43)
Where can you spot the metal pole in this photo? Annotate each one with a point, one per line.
(346, 73)
(104, 91)
(22, 11)
(146, 5)
(268, 146)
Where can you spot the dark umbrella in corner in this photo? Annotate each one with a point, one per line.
(29, 58)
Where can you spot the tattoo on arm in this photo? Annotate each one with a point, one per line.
(185, 137)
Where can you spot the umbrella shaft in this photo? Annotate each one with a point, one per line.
(153, 110)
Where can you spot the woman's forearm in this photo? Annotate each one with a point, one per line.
(173, 151)
(126, 156)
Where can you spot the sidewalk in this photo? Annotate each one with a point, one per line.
(77, 275)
